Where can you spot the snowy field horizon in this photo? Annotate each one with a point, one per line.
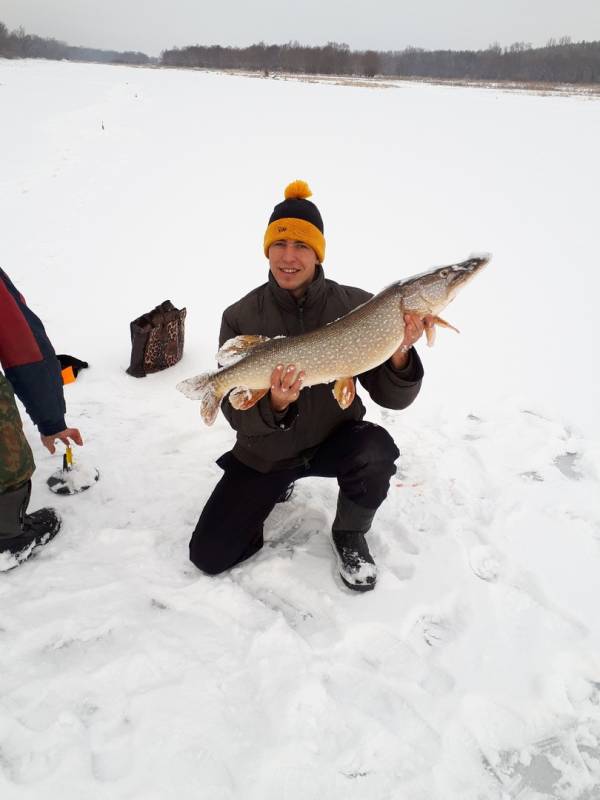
(472, 672)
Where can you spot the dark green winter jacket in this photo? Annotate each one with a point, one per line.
(267, 441)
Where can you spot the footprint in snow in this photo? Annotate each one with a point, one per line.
(487, 563)
(567, 464)
(473, 434)
(433, 630)
(552, 767)
(110, 746)
(306, 610)
(408, 545)
(536, 414)
(532, 475)
(396, 659)
(290, 533)
(404, 572)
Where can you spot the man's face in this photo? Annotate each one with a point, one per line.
(293, 265)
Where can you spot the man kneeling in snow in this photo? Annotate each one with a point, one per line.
(293, 433)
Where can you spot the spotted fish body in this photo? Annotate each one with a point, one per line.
(353, 344)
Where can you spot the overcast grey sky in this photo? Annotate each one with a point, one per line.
(154, 25)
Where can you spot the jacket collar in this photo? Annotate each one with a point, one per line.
(314, 294)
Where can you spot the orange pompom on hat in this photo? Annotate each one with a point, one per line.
(298, 219)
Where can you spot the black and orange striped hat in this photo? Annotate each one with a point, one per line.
(296, 218)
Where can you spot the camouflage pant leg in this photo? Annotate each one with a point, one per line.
(16, 458)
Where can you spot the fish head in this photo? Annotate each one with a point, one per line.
(432, 291)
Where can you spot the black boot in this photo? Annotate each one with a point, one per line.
(356, 565)
(21, 533)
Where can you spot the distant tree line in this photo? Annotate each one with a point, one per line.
(559, 61)
(332, 59)
(18, 44)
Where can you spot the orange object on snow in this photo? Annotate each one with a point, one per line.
(68, 376)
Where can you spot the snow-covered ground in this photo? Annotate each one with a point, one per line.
(473, 671)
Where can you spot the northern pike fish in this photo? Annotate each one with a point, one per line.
(335, 353)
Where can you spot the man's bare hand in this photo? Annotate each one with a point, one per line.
(285, 386)
(66, 436)
(414, 327)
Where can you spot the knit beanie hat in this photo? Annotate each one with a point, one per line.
(296, 218)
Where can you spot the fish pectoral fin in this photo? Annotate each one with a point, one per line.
(344, 392)
(443, 324)
(233, 350)
(430, 329)
(243, 398)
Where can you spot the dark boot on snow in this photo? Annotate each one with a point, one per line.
(356, 566)
(21, 533)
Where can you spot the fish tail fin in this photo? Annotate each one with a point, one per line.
(204, 388)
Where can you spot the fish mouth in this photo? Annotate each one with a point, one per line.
(474, 262)
(463, 272)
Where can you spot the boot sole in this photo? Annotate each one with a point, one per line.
(10, 559)
(358, 587)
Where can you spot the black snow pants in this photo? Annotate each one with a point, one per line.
(360, 455)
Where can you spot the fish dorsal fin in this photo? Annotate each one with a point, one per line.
(237, 348)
